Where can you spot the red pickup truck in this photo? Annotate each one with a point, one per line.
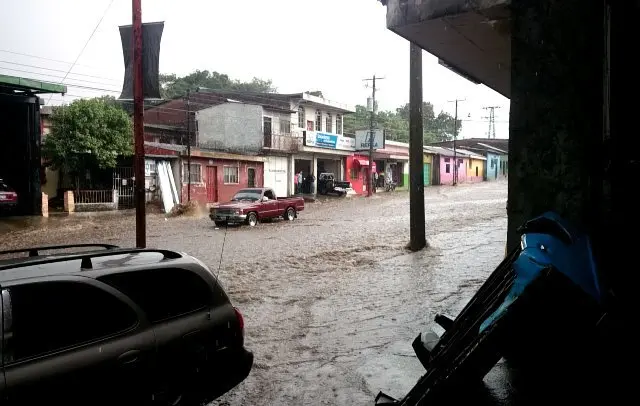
(254, 204)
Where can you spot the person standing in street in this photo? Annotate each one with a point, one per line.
(299, 179)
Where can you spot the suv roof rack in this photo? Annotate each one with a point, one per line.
(86, 257)
(34, 251)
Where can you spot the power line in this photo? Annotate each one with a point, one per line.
(57, 77)
(455, 136)
(57, 70)
(88, 40)
(44, 58)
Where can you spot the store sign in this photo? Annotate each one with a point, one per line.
(331, 141)
(363, 139)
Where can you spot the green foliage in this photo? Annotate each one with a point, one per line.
(88, 133)
(396, 123)
(173, 85)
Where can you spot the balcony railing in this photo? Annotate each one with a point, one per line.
(282, 142)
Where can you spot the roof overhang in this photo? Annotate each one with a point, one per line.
(472, 38)
(24, 85)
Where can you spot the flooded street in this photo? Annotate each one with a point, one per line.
(333, 300)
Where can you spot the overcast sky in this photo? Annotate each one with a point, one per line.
(329, 45)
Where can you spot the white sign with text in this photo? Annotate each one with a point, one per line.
(363, 139)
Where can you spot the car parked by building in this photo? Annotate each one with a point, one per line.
(251, 205)
(8, 197)
(108, 326)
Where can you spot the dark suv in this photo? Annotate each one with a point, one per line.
(113, 326)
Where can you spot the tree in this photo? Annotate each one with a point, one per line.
(86, 134)
(174, 86)
(396, 123)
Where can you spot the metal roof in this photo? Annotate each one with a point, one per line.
(30, 85)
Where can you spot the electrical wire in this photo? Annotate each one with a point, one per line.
(57, 70)
(88, 40)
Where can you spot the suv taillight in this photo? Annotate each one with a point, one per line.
(240, 320)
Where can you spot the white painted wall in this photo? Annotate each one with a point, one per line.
(310, 114)
(276, 174)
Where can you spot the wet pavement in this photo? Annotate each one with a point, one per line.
(333, 300)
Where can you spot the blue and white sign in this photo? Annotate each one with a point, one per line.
(363, 139)
(331, 141)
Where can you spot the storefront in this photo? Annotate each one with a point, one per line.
(357, 172)
(321, 153)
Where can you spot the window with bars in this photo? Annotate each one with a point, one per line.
(318, 120)
(196, 174)
(339, 124)
(329, 126)
(231, 175)
(301, 117)
(285, 126)
(353, 173)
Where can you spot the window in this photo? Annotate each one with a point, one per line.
(196, 175)
(318, 120)
(163, 293)
(470, 165)
(269, 194)
(266, 125)
(353, 174)
(446, 159)
(447, 168)
(460, 162)
(53, 316)
(338, 123)
(285, 126)
(329, 128)
(301, 117)
(231, 174)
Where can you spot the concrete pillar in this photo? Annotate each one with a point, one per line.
(69, 202)
(314, 170)
(291, 173)
(45, 205)
(342, 175)
(556, 111)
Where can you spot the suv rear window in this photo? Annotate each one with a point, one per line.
(51, 316)
(163, 293)
(4, 187)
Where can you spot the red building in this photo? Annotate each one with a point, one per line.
(357, 172)
(216, 176)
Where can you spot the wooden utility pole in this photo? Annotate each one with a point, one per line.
(416, 156)
(455, 138)
(138, 126)
(371, 184)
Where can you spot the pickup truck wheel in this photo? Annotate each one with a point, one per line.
(290, 214)
(252, 219)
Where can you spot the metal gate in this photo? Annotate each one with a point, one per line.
(123, 183)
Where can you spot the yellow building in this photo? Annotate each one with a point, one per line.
(475, 169)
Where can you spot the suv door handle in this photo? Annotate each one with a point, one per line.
(129, 357)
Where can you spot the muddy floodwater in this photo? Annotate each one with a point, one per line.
(333, 300)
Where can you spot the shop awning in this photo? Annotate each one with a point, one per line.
(364, 163)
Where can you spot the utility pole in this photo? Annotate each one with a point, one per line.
(138, 126)
(188, 145)
(492, 121)
(416, 153)
(371, 185)
(455, 138)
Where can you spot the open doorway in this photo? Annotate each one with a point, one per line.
(304, 165)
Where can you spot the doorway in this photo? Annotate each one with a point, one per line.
(251, 177)
(212, 183)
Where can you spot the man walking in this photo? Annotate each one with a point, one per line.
(298, 181)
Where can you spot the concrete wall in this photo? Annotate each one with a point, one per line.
(477, 166)
(232, 127)
(447, 178)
